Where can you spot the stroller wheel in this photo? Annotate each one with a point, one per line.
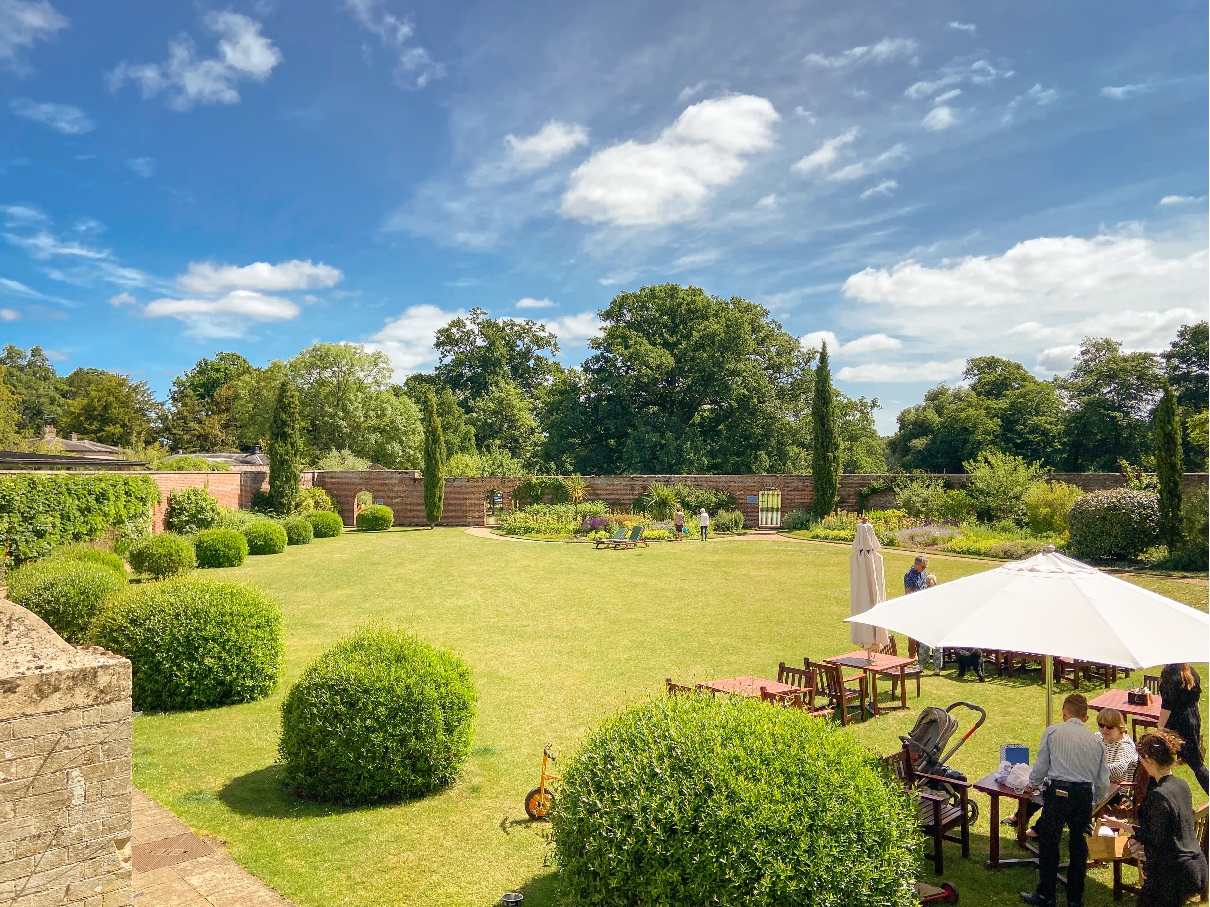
(974, 808)
(951, 893)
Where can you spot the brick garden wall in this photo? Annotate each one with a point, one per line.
(65, 759)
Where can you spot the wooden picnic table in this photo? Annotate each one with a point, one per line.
(1116, 699)
(891, 665)
(748, 685)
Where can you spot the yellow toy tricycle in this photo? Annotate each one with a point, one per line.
(539, 801)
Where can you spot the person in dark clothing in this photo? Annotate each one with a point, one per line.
(1180, 691)
(1176, 866)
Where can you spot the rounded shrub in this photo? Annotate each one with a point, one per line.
(90, 554)
(163, 555)
(1121, 523)
(298, 530)
(380, 716)
(220, 548)
(690, 800)
(191, 510)
(194, 643)
(265, 537)
(375, 518)
(66, 594)
(325, 525)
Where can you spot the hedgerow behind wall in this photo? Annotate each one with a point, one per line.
(41, 512)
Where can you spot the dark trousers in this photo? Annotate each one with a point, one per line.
(1191, 755)
(1073, 812)
(704, 529)
(1171, 885)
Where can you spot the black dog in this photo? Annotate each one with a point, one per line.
(970, 660)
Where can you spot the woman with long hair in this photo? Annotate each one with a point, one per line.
(1180, 693)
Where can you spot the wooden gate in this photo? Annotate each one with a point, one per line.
(769, 509)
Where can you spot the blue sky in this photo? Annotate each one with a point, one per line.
(914, 182)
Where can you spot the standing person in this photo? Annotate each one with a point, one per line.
(913, 581)
(1180, 691)
(703, 523)
(1072, 762)
(678, 523)
(1176, 866)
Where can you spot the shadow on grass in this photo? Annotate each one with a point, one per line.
(540, 891)
(261, 794)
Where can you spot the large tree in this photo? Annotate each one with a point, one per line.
(109, 408)
(1169, 468)
(478, 353)
(1187, 366)
(201, 413)
(683, 382)
(434, 463)
(457, 431)
(10, 415)
(504, 416)
(40, 390)
(951, 426)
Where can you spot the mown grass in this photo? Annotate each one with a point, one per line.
(558, 637)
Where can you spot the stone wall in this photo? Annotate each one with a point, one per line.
(64, 769)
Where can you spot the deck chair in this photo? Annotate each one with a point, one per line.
(676, 689)
(790, 700)
(806, 680)
(635, 538)
(839, 690)
(619, 535)
(938, 816)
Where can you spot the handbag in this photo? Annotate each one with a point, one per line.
(1103, 846)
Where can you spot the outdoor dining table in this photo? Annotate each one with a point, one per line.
(1116, 699)
(892, 665)
(748, 686)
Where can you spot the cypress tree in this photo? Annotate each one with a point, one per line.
(434, 462)
(285, 450)
(1169, 468)
(825, 453)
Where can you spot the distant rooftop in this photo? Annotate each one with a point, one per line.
(75, 445)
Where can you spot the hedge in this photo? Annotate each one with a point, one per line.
(90, 554)
(265, 537)
(159, 556)
(325, 525)
(41, 512)
(66, 594)
(298, 530)
(316, 499)
(1122, 523)
(187, 463)
(380, 716)
(375, 518)
(194, 643)
(191, 510)
(220, 548)
(690, 800)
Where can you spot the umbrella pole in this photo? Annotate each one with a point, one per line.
(1048, 670)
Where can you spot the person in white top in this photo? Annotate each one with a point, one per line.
(703, 523)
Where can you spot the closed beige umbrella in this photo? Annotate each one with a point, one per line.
(867, 587)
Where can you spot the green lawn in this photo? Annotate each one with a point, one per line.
(558, 637)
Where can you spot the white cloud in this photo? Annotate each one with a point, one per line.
(1142, 330)
(1125, 92)
(826, 154)
(61, 117)
(926, 87)
(947, 96)
(870, 343)
(939, 118)
(408, 338)
(207, 278)
(805, 114)
(886, 187)
(1038, 95)
(767, 202)
(122, 299)
(575, 329)
(930, 371)
(530, 303)
(963, 26)
(869, 165)
(414, 66)
(17, 288)
(243, 53)
(690, 91)
(227, 316)
(885, 51)
(143, 166)
(978, 73)
(22, 24)
(547, 145)
(1179, 200)
(983, 73)
(1057, 359)
(9, 315)
(669, 179)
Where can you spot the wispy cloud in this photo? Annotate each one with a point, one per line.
(939, 118)
(22, 24)
(869, 343)
(243, 53)
(61, 117)
(1037, 95)
(1168, 200)
(885, 51)
(869, 165)
(547, 145)
(414, 66)
(1126, 92)
(980, 72)
(206, 277)
(530, 303)
(226, 316)
(9, 315)
(886, 187)
(575, 329)
(122, 299)
(407, 339)
(826, 154)
(892, 372)
(964, 26)
(143, 166)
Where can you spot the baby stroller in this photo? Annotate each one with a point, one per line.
(928, 739)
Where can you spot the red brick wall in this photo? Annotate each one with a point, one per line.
(224, 487)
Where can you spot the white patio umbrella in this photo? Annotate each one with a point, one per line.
(1051, 605)
(867, 586)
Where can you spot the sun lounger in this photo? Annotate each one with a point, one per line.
(619, 535)
(635, 538)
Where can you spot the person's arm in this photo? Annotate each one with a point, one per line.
(1164, 716)
(1042, 764)
(1100, 788)
(1152, 822)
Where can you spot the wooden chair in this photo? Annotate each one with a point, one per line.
(1138, 791)
(676, 689)
(805, 680)
(891, 648)
(837, 688)
(938, 816)
(1151, 682)
(1201, 828)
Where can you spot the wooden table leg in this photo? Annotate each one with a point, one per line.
(903, 686)
(994, 838)
(873, 675)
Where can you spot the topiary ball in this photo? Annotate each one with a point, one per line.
(191, 510)
(375, 518)
(265, 537)
(690, 800)
(90, 554)
(220, 548)
(163, 555)
(194, 643)
(380, 716)
(1121, 523)
(67, 594)
(298, 530)
(325, 525)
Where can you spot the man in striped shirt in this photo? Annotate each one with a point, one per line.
(1072, 762)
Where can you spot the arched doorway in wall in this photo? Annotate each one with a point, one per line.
(493, 507)
(769, 509)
